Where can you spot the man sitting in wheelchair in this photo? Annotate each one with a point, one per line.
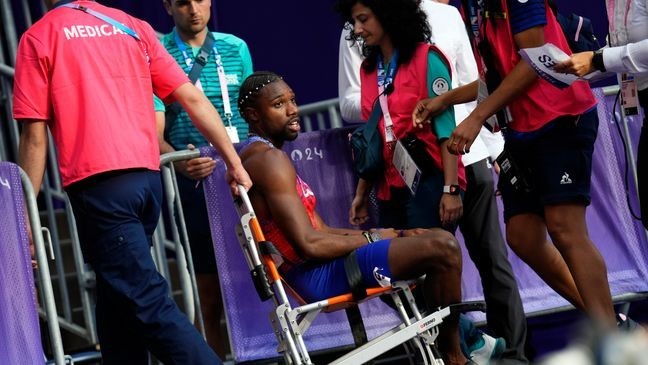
(314, 254)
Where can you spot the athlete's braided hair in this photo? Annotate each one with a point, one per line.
(251, 88)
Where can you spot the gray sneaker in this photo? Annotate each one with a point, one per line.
(486, 349)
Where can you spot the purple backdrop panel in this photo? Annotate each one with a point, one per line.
(621, 239)
(319, 160)
(322, 160)
(20, 339)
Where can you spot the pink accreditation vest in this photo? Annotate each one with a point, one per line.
(410, 86)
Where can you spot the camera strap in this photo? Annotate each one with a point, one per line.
(407, 168)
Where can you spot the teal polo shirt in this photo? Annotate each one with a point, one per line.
(237, 63)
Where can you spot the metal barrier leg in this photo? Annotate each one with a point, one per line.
(180, 237)
(85, 277)
(43, 270)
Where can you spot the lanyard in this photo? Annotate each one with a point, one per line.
(222, 79)
(611, 12)
(110, 21)
(385, 78)
(474, 21)
(618, 32)
(105, 18)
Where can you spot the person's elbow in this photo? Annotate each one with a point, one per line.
(311, 247)
(189, 96)
(34, 134)
(310, 252)
(32, 150)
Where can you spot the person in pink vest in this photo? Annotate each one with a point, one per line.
(401, 67)
(550, 134)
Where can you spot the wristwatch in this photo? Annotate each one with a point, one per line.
(597, 60)
(372, 236)
(451, 189)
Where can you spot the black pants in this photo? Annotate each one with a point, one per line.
(483, 238)
(642, 160)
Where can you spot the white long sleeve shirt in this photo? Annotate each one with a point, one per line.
(628, 21)
(350, 59)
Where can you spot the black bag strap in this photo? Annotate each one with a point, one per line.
(494, 9)
(354, 276)
(200, 61)
(372, 123)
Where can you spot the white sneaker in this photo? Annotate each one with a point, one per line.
(488, 348)
(626, 324)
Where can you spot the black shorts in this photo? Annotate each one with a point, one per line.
(556, 161)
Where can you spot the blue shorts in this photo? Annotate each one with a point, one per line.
(315, 281)
(557, 162)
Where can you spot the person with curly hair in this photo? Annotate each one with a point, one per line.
(400, 67)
